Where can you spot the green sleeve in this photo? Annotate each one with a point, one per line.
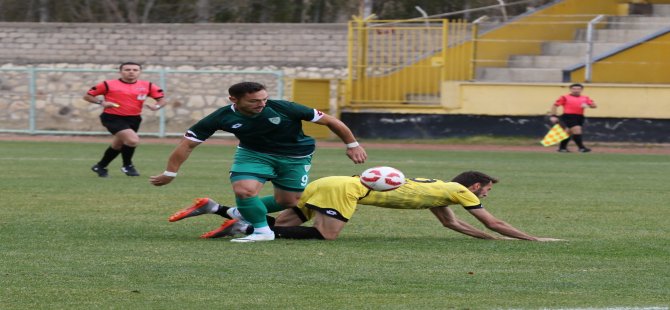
(206, 127)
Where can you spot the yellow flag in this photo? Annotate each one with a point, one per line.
(555, 135)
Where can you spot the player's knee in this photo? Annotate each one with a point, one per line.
(244, 193)
(132, 142)
(329, 235)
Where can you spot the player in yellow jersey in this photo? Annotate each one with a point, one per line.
(332, 201)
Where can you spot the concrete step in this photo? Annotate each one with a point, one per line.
(519, 75)
(575, 49)
(614, 35)
(661, 9)
(557, 56)
(637, 22)
(543, 61)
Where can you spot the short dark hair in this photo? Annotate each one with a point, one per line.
(129, 63)
(576, 85)
(240, 89)
(469, 178)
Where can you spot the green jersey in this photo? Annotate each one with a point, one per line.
(276, 130)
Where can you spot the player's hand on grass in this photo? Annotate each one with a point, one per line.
(160, 180)
(357, 154)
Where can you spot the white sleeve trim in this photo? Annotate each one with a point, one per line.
(191, 136)
(317, 115)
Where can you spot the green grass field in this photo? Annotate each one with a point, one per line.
(70, 240)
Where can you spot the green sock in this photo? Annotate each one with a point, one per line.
(271, 204)
(253, 211)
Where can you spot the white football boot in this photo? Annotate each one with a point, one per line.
(256, 237)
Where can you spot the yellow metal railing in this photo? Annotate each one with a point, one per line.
(395, 63)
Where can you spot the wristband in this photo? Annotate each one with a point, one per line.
(352, 145)
(169, 174)
(99, 102)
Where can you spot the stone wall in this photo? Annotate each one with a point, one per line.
(313, 45)
(295, 50)
(191, 93)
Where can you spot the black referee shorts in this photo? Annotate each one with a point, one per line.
(115, 123)
(572, 120)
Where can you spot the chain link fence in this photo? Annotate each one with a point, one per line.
(49, 100)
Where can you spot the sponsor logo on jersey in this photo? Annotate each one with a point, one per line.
(238, 125)
(275, 120)
(307, 167)
(142, 97)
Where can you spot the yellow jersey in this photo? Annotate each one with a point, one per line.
(418, 193)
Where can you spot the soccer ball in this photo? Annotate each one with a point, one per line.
(382, 178)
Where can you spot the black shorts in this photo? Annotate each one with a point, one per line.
(327, 212)
(115, 123)
(572, 120)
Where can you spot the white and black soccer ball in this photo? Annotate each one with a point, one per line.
(382, 178)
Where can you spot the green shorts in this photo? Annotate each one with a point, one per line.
(287, 173)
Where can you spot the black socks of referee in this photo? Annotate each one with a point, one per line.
(578, 141)
(564, 143)
(109, 155)
(127, 154)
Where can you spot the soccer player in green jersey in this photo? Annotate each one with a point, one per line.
(332, 201)
(272, 148)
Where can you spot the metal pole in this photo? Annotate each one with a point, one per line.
(475, 38)
(32, 113)
(424, 14)
(161, 113)
(280, 84)
(366, 8)
(589, 48)
(503, 10)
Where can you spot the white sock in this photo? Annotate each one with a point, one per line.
(263, 230)
(214, 208)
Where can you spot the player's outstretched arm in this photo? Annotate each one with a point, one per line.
(501, 227)
(449, 220)
(356, 153)
(177, 158)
